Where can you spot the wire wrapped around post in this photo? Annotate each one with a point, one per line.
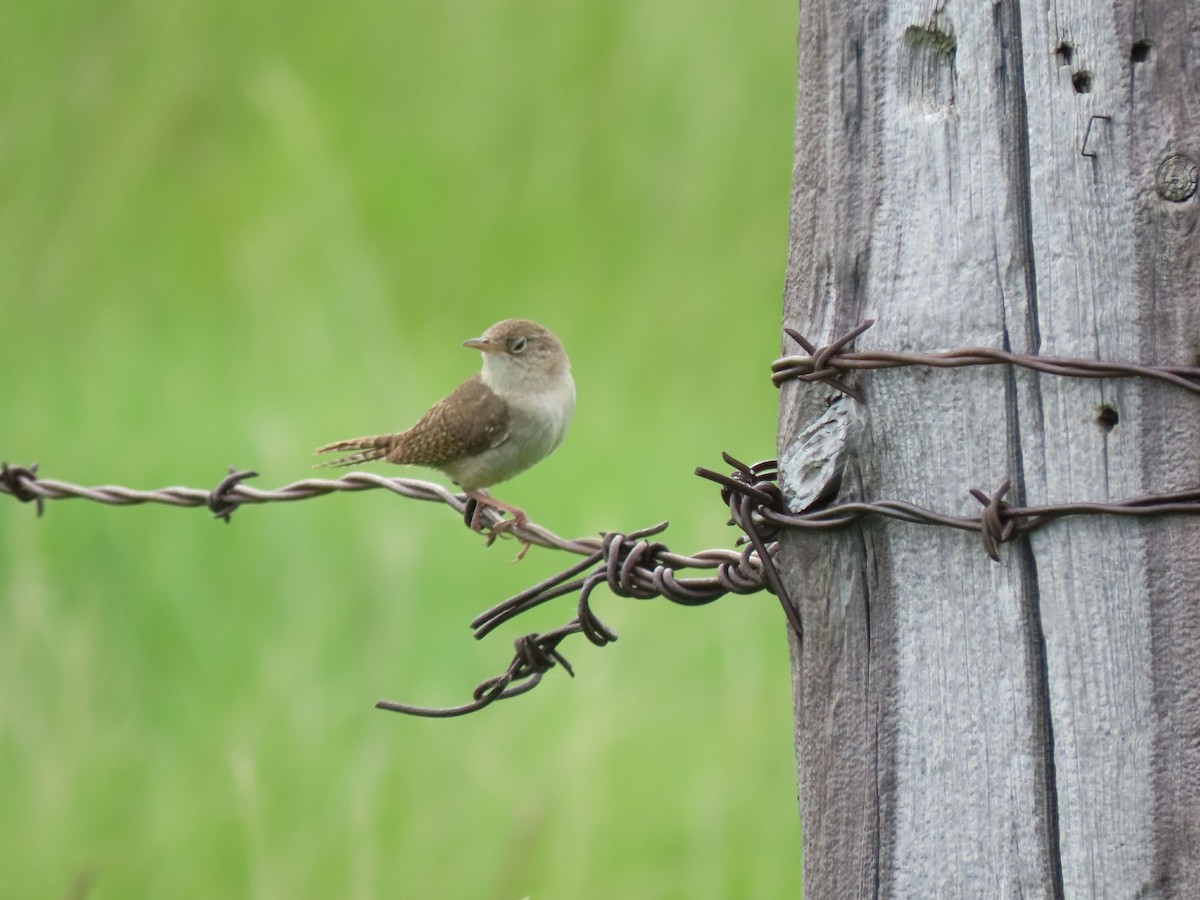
(748, 492)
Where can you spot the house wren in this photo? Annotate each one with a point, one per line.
(494, 425)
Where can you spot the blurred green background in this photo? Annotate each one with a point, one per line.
(232, 232)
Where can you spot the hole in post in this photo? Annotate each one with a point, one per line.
(1082, 81)
(927, 80)
(1106, 417)
(1140, 51)
(1064, 53)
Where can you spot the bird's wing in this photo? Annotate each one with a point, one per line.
(470, 420)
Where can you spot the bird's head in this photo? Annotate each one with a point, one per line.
(519, 355)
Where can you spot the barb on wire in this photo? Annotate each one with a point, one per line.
(995, 525)
(218, 501)
(536, 655)
(828, 364)
(15, 479)
(821, 364)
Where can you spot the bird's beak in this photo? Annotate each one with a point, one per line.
(483, 344)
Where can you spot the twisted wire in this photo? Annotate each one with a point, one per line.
(998, 522)
(829, 363)
(630, 564)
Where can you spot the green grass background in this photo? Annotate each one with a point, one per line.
(230, 232)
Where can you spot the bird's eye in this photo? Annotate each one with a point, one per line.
(517, 344)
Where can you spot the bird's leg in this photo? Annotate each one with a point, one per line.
(482, 499)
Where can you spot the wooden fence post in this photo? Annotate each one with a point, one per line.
(1014, 175)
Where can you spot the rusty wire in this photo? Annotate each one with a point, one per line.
(632, 566)
(651, 569)
(827, 364)
(997, 521)
(629, 564)
(749, 491)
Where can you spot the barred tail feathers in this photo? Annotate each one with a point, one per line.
(370, 449)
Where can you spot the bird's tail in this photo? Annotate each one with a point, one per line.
(370, 449)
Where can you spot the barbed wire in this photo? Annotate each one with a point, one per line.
(997, 521)
(826, 364)
(632, 565)
(23, 483)
(629, 564)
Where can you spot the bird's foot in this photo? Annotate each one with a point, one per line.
(518, 519)
(507, 525)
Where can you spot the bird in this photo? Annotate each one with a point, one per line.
(509, 416)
